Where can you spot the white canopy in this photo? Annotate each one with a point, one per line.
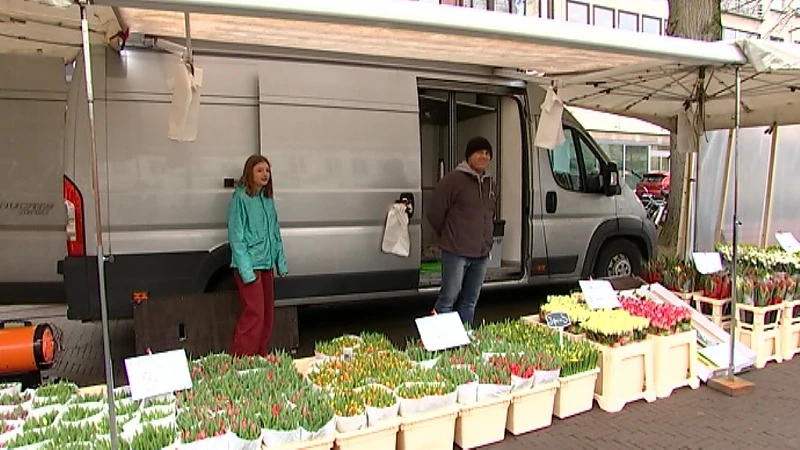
(27, 27)
(659, 92)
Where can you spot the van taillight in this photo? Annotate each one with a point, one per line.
(76, 233)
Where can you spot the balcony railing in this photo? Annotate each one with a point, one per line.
(747, 8)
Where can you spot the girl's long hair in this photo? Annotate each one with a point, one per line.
(247, 176)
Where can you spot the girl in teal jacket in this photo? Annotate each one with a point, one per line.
(257, 254)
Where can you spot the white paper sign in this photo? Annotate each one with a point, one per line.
(707, 262)
(599, 294)
(442, 331)
(158, 374)
(720, 355)
(788, 242)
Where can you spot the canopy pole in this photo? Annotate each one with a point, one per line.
(98, 230)
(735, 252)
(766, 221)
(188, 29)
(725, 184)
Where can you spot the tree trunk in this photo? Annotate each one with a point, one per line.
(692, 19)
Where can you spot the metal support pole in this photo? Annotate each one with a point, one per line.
(87, 66)
(735, 252)
(725, 183)
(766, 220)
(188, 28)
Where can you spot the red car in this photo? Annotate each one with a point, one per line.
(653, 183)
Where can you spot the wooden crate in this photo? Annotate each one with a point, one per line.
(790, 330)
(626, 375)
(763, 334)
(675, 362)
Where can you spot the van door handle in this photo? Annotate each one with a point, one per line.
(408, 199)
(551, 202)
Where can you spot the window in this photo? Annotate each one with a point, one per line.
(728, 34)
(628, 21)
(574, 162)
(577, 12)
(603, 17)
(651, 25)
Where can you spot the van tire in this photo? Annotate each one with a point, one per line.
(618, 257)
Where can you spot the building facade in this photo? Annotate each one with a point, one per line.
(639, 147)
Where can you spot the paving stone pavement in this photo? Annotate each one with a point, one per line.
(689, 419)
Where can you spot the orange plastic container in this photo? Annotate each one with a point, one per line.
(25, 347)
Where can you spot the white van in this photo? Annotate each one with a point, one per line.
(346, 139)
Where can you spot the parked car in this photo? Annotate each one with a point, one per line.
(653, 183)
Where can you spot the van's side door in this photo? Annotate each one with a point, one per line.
(344, 143)
(572, 206)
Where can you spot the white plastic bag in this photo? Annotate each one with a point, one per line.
(395, 235)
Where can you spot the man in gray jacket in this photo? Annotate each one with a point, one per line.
(462, 215)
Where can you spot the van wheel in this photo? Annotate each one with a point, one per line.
(618, 258)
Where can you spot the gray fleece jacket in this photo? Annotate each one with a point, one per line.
(462, 212)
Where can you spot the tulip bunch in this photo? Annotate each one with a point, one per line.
(492, 374)
(578, 357)
(347, 402)
(57, 389)
(665, 319)
(615, 327)
(517, 365)
(153, 438)
(455, 374)
(196, 424)
(77, 413)
(416, 351)
(373, 343)
(377, 396)
(18, 413)
(42, 421)
(335, 347)
(72, 434)
(573, 305)
(5, 427)
(31, 437)
(89, 398)
(315, 409)
(245, 424)
(421, 390)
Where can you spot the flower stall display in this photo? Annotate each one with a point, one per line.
(672, 272)
(626, 361)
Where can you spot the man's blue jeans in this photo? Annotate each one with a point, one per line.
(462, 279)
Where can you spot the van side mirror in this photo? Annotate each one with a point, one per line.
(611, 180)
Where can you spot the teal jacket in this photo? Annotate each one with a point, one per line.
(254, 235)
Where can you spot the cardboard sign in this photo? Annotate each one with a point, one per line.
(442, 331)
(558, 320)
(599, 294)
(158, 374)
(707, 262)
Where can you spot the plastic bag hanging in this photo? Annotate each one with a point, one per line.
(395, 234)
(550, 133)
(185, 106)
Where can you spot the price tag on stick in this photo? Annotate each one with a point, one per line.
(560, 320)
